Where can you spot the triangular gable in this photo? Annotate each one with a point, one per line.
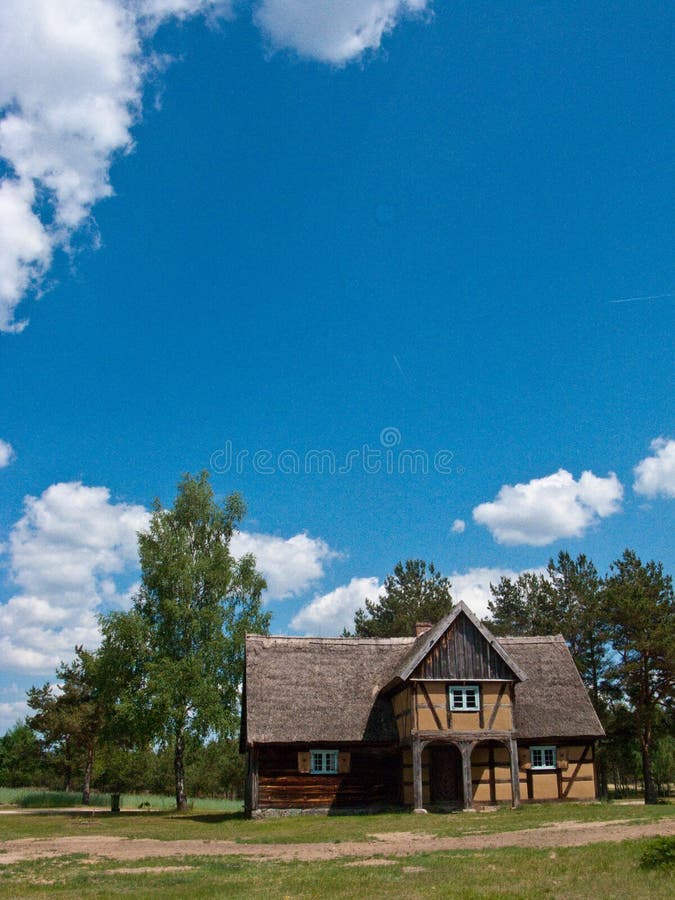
(461, 648)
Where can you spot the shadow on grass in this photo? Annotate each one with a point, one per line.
(206, 818)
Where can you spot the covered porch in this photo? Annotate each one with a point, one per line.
(448, 768)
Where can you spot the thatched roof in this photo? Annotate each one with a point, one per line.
(553, 702)
(318, 690)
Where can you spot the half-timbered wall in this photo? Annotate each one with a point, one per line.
(463, 654)
(433, 711)
(572, 779)
(374, 778)
(491, 773)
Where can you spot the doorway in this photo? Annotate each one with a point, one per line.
(445, 777)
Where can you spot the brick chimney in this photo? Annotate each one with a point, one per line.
(421, 627)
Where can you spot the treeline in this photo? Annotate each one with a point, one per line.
(620, 629)
(215, 769)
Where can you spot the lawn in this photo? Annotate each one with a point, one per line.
(215, 825)
(599, 871)
(602, 871)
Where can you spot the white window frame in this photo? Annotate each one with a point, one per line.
(538, 758)
(465, 691)
(324, 762)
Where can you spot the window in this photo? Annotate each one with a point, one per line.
(464, 697)
(324, 762)
(543, 757)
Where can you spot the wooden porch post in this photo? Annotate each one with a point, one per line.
(251, 792)
(515, 777)
(418, 796)
(466, 747)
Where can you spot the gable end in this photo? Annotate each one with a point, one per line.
(463, 653)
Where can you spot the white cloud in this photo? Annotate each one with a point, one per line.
(549, 508)
(473, 586)
(329, 613)
(334, 31)
(65, 554)
(458, 526)
(6, 454)
(655, 475)
(290, 565)
(71, 75)
(11, 712)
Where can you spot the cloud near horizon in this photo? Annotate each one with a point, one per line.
(71, 82)
(290, 565)
(655, 474)
(72, 553)
(327, 614)
(546, 509)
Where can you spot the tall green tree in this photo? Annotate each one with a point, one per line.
(68, 716)
(414, 592)
(189, 618)
(640, 611)
(523, 606)
(579, 605)
(22, 763)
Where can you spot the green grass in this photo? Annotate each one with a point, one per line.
(598, 872)
(224, 825)
(35, 798)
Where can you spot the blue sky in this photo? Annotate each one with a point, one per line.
(372, 262)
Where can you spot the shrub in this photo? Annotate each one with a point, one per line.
(659, 853)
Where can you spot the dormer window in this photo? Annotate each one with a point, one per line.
(464, 698)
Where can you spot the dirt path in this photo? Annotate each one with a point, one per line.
(394, 844)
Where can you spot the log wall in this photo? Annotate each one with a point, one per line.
(374, 779)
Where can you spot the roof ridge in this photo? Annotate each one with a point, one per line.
(533, 638)
(334, 639)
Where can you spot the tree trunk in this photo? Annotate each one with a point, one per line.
(179, 771)
(88, 771)
(651, 795)
(68, 769)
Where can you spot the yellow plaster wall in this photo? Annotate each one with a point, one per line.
(504, 716)
(458, 720)
(544, 786)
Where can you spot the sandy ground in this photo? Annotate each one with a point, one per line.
(394, 844)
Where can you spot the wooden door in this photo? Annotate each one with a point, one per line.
(445, 775)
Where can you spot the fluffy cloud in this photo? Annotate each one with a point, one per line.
(6, 454)
(334, 31)
(290, 565)
(328, 614)
(473, 586)
(549, 508)
(655, 475)
(458, 526)
(66, 554)
(71, 79)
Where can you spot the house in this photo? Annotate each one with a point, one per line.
(451, 717)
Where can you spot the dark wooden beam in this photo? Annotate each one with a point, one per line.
(515, 775)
